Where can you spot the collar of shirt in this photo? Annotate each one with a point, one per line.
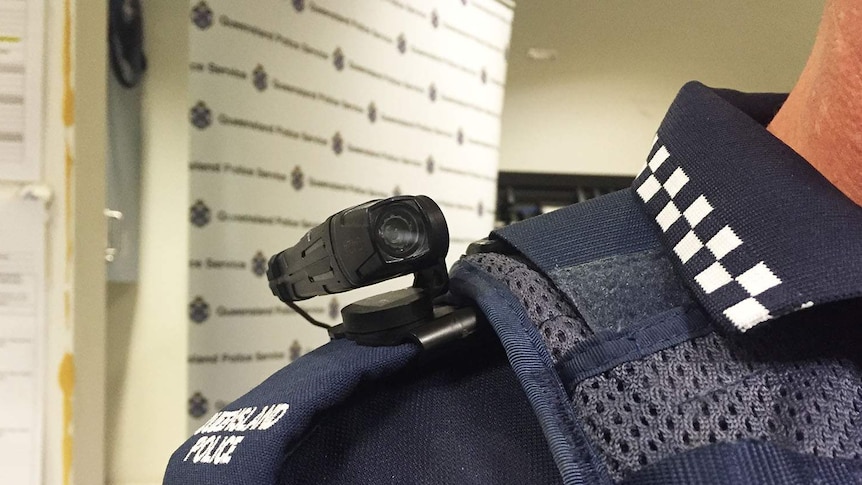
(753, 229)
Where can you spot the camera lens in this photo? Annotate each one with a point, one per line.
(400, 232)
(397, 233)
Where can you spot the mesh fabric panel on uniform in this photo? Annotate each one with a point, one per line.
(559, 323)
(773, 388)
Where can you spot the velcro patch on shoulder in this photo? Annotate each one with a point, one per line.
(558, 321)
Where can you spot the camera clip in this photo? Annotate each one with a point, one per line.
(409, 314)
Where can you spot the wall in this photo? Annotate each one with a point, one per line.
(88, 196)
(596, 108)
(73, 167)
(57, 273)
(147, 338)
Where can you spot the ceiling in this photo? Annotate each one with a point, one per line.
(694, 37)
(621, 62)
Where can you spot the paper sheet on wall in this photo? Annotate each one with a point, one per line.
(21, 32)
(22, 269)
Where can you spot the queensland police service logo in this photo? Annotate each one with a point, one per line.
(337, 143)
(372, 113)
(259, 78)
(429, 165)
(334, 308)
(200, 116)
(198, 405)
(484, 76)
(199, 310)
(297, 178)
(299, 5)
(202, 16)
(200, 214)
(338, 58)
(258, 264)
(295, 350)
(432, 92)
(435, 19)
(402, 44)
(460, 136)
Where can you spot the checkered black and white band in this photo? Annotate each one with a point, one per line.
(710, 251)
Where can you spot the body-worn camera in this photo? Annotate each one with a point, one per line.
(367, 244)
(360, 246)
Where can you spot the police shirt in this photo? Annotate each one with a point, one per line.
(704, 326)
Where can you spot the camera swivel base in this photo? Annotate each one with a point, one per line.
(404, 316)
(378, 319)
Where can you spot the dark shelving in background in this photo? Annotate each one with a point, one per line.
(521, 195)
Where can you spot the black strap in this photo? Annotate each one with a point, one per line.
(126, 41)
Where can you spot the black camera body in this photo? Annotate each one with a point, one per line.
(361, 246)
(367, 244)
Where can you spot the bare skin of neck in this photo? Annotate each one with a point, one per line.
(822, 118)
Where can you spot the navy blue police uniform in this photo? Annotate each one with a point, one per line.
(704, 326)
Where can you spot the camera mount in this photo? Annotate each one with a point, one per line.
(409, 314)
(367, 244)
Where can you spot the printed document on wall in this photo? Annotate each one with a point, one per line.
(21, 32)
(22, 335)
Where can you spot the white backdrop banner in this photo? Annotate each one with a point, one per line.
(299, 109)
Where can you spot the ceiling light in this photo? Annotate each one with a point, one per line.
(541, 54)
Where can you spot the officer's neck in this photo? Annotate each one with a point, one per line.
(822, 118)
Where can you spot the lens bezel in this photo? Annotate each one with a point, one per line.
(411, 214)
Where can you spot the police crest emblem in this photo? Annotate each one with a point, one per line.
(199, 214)
(200, 116)
(202, 16)
(259, 78)
(297, 178)
(199, 310)
(337, 143)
